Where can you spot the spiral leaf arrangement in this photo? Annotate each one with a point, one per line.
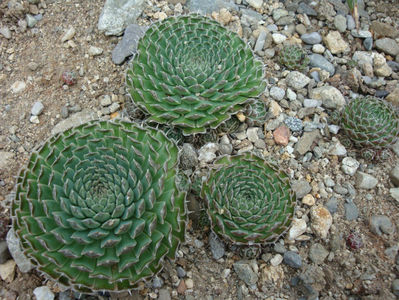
(97, 207)
(192, 73)
(249, 200)
(370, 123)
(294, 57)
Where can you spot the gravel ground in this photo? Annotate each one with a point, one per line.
(57, 68)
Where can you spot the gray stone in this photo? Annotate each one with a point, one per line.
(95, 51)
(157, 282)
(303, 8)
(394, 192)
(30, 20)
(394, 175)
(260, 42)
(391, 252)
(43, 293)
(6, 32)
(331, 96)
(395, 287)
(277, 93)
(294, 124)
(4, 253)
(349, 166)
(292, 259)
(164, 294)
(332, 205)
(250, 17)
(188, 157)
(217, 246)
(365, 181)
(340, 23)
(387, 45)
(317, 253)
(255, 3)
(78, 118)
(297, 80)
(380, 224)
(37, 108)
(311, 38)
(368, 43)
(279, 13)
(363, 34)
(350, 22)
(226, 148)
(245, 273)
(285, 20)
(180, 272)
(306, 141)
(301, 187)
(208, 6)
(5, 157)
(128, 45)
(319, 61)
(351, 211)
(118, 14)
(393, 65)
(19, 257)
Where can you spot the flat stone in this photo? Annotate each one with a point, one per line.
(43, 293)
(245, 273)
(362, 57)
(252, 134)
(332, 205)
(335, 43)
(382, 29)
(304, 8)
(301, 187)
(23, 263)
(281, 135)
(365, 181)
(311, 38)
(297, 80)
(298, 227)
(260, 42)
(6, 32)
(7, 270)
(208, 6)
(337, 149)
(37, 108)
(351, 211)
(95, 51)
(18, 87)
(309, 200)
(217, 246)
(292, 259)
(387, 45)
(380, 224)
(317, 253)
(350, 22)
(306, 141)
(31, 21)
(76, 119)
(340, 23)
(207, 152)
(278, 38)
(128, 45)
(118, 14)
(329, 95)
(394, 192)
(5, 158)
(321, 220)
(164, 294)
(69, 34)
(255, 3)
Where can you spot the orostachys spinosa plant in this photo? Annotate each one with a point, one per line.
(97, 207)
(192, 73)
(249, 201)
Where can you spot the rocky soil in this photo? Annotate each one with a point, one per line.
(60, 65)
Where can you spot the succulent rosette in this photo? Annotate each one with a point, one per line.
(192, 73)
(294, 57)
(249, 201)
(97, 207)
(370, 123)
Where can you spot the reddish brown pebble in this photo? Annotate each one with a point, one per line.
(181, 289)
(281, 135)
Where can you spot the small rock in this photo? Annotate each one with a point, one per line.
(275, 109)
(37, 108)
(298, 227)
(31, 21)
(395, 287)
(18, 87)
(308, 200)
(337, 149)
(34, 120)
(252, 134)
(79, 118)
(350, 166)
(297, 80)
(69, 34)
(380, 224)
(301, 187)
(207, 153)
(6, 32)
(350, 22)
(276, 260)
(181, 288)
(189, 283)
(157, 282)
(260, 42)
(277, 93)
(387, 45)
(331, 97)
(5, 158)
(317, 253)
(245, 272)
(294, 124)
(217, 246)
(128, 45)
(114, 107)
(43, 293)
(393, 97)
(335, 43)
(332, 205)
(188, 157)
(304, 8)
(7, 270)
(319, 61)
(394, 192)
(20, 259)
(318, 48)
(106, 101)
(394, 175)
(292, 259)
(281, 135)
(94, 51)
(321, 220)
(226, 149)
(311, 38)
(363, 34)
(365, 181)
(306, 141)
(33, 66)
(255, 3)
(164, 295)
(180, 272)
(340, 23)
(278, 38)
(368, 43)
(351, 211)
(382, 29)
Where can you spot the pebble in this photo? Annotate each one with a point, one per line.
(277, 93)
(43, 293)
(33, 66)
(34, 120)
(276, 260)
(278, 38)
(351, 211)
(5, 158)
(291, 95)
(365, 181)
(301, 187)
(335, 43)
(294, 124)
(387, 45)
(6, 32)
(226, 149)
(350, 22)
(24, 264)
(292, 259)
(298, 227)
(337, 149)
(319, 61)
(281, 135)
(394, 192)
(309, 200)
(349, 166)
(69, 34)
(361, 33)
(180, 272)
(217, 246)
(189, 283)
(330, 96)
(31, 21)
(340, 23)
(255, 3)
(318, 48)
(114, 107)
(395, 287)
(297, 80)
(252, 134)
(18, 86)
(321, 220)
(7, 270)
(260, 42)
(304, 8)
(368, 43)
(95, 51)
(157, 282)
(317, 253)
(164, 294)
(311, 38)
(380, 224)
(207, 153)
(306, 141)
(332, 205)
(245, 272)
(37, 108)
(394, 175)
